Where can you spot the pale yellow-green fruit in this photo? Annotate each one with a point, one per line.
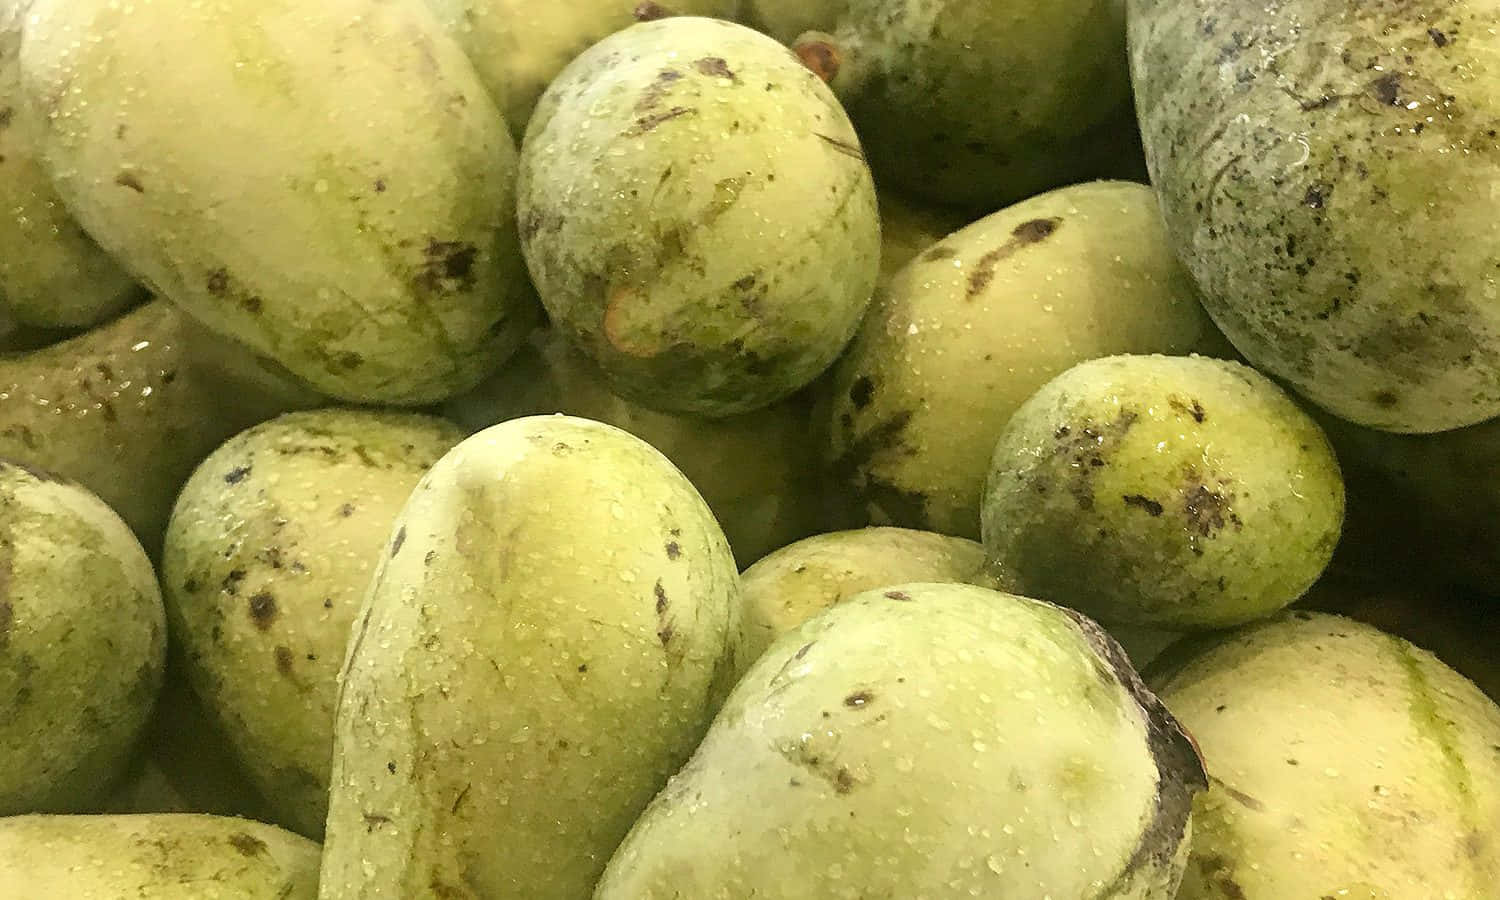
(161, 857)
(1343, 762)
(758, 471)
(128, 409)
(797, 582)
(908, 228)
(327, 183)
(519, 46)
(926, 740)
(52, 274)
(268, 555)
(972, 327)
(82, 644)
(545, 642)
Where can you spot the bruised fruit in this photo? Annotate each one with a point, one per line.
(1171, 492)
(1326, 171)
(758, 471)
(267, 557)
(697, 216)
(327, 183)
(974, 325)
(163, 857)
(1342, 762)
(797, 582)
(926, 740)
(552, 628)
(82, 644)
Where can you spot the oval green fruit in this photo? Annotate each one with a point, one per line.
(545, 642)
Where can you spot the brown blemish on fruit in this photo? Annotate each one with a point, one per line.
(6, 113)
(247, 845)
(674, 550)
(664, 627)
(128, 180)
(1025, 234)
(1140, 501)
(231, 582)
(649, 123)
(862, 391)
(820, 57)
(901, 596)
(939, 253)
(263, 610)
(218, 282)
(652, 96)
(859, 699)
(236, 474)
(1195, 410)
(284, 661)
(1085, 447)
(447, 266)
(346, 510)
(715, 67)
(374, 821)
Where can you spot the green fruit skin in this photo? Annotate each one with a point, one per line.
(52, 274)
(267, 557)
(163, 857)
(1344, 762)
(519, 46)
(981, 104)
(1172, 492)
(545, 644)
(1325, 173)
(908, 228)
(82, 643)
(925, 740)
(790, 586)
(970, 329)
(328, 184)
(757, 471)
(697, 215)
(128, 409)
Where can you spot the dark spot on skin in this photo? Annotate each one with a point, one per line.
(844, 147)
(1023, 235)
(447, 266)
(1035, 230)
(843, 782)
(284, 661)
(1439, 39)
(584, 667)
(1143, 502)
(236, 475)
(649, 123)
(652, 96)
(862, 392)
(715, 67)
(1316, 196)
(650, 12)
(858, 699)
(191, 586)
(263, 610)
(1387, 89)
(391, 767)
(218, 282)
(939, 253)
(861, 452)
(374, 821)
(1386, 399)
(6, 113)
(746, 283)
(247, 845)
(903, 596)
(128, 180)
(459, 800)
(802, 651)
(674, 550)
(231, 583)
(399, 540)
(1195, 410)
(271, 556)
(664, 628)
(380, 185)
(252, 304)
(430, 558)
(346, 510)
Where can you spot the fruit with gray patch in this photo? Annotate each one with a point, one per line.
(328, 184)
(519, 46)
(698, 217)
(551, 630)
(164, 857)
(976, 324)
(1171, 492)
(797, 582)
(82, 644)
(128, 409)
(1343, 762)
(52, 274)
(965, 103)
(1325, 172)
(926, 740)
(268, 554)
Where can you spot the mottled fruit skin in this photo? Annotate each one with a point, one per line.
(797, 582)
(52, 274)
(128, 409)
(926, 740)
(1344, 762)
(544, 644)
(163, 857)
(758, 471)
(82, 644)
(697, 215)
(1326, 171)
(974, 325)
(1162, 491)
(519, 46)
(267, 558)
(328, 183)
(982, 103)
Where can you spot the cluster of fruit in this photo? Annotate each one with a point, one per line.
(509, 449)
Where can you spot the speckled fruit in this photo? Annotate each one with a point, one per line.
(697, 215)
(926, 740)
(1328, 171)
(1344, 762)
(979, 103)
(82, 644)
(267, 557)
(129, 408)
(163, 857)
(519, 46)
(546, 641)
(797, 582)
(976, 324)
(1162, 491)
(327, 183)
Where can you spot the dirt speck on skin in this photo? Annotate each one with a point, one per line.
(715, 67)
(247, 845)
(447, 266)
(129, 180)
(263, 610)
